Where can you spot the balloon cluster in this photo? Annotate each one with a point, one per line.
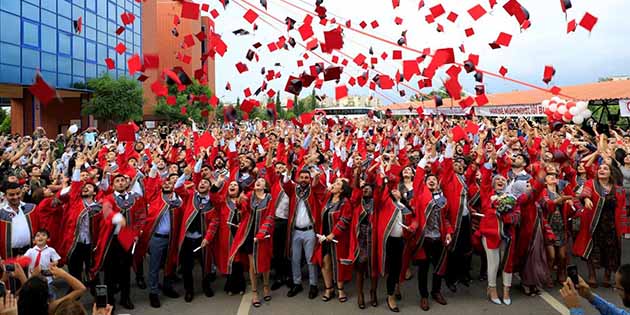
(559, 110)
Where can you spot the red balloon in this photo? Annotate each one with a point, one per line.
(557, 116)
(571, 104)
(548, 112)
(568, 116)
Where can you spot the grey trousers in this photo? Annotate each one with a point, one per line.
(158, 248)
(303, 241)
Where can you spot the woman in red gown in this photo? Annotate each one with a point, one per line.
(253, 237)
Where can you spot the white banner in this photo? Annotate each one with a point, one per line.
(624, 108)
(534, 110)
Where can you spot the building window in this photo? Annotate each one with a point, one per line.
(64, 65)
(10, 34)
(90, 19)
(4, 102)
(50, 5)
(90, 51)
(64, 80)
(78, 68)
(111, 11)
(10, 73)
(30, 58)
(49, 62)
(49, 18)
(49, 39)
(30, 11)
(30, 34)
(64, 8)
(50, 77)
(65, 44)
(78, 47)
(90, 70)
(10, 54)
(10, 6)
(101, 8)
(65, 24)
(28, 75)
(90, 5)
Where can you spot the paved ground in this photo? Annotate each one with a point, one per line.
(466, 301)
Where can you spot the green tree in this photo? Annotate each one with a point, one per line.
(5, 122)
(114, 100)
(192, 109)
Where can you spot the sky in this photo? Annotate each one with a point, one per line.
(578, 57)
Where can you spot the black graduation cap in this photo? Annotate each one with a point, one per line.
(469, 66)
(294, 85)
(371, 51)
(480, 89)
(438, 100)
(78, 25)
(402, 93)
(292, 42)
(401, 77)
(258, 91)
(264, 3)
(175, 32)
(262, 71)
(332, 73)
(402, 41)
(255, 27)
(277, 64)
(526, 12)
(566, 4)
(182, 75)
(229, 113)
(376, 78)
(289, 22)
(494, 45)
(250, 55)
(307, 79)
(319, 2)
(240, 32)
(479, 76)
(319, 67)
(257, 45)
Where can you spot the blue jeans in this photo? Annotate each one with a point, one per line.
(303, 240)
(158, 248)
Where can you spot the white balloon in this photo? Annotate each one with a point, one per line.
(557, 99)
(562, 109)
(545, 104)
(578, 119)
(553, 107)
(586, 114)
(582, 105)
(573, 110)
(73, 129)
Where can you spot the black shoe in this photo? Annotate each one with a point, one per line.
(277, 285)
(170, 292)
(155, 300)
(483, 277)
(452, 287)
(188, 297)
(313, 292)
(295, 290)
(141, 283)
(126, 303)
(208, 291)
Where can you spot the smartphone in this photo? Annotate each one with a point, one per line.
(9, 268)
(101, 296)
(46, 273)
(572, 273)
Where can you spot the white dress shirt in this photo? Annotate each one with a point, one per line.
(20, 231)
(302, 219)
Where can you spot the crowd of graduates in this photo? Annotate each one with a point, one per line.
(362, 198)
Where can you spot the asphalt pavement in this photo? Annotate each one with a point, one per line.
(467, 300)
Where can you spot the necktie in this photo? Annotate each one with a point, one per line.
(39, 256)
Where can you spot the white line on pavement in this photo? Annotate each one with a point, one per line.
(246, 303)
(551, 301)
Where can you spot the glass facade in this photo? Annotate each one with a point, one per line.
(39, 35)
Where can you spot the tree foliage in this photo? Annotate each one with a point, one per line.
(193, 108)
(5, 122)
(114, 100)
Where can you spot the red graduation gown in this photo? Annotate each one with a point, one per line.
(6, 226)
(50, 214)
(158, 206)
(339, 218)
(134, 211)
(227, 210)
(74, 210)
(314, 206)
(209, 223)
(361, 213)
(455, 190)
(583, 244)
(259, 215)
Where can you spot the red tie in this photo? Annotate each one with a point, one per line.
(39, 256)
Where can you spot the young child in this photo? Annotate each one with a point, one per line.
(42, 255)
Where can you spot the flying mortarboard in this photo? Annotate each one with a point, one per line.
(190, 10)
(78, 25)
(41, 90)
(240, 32)
(477, 12)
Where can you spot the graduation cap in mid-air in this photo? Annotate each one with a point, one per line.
(240, 31)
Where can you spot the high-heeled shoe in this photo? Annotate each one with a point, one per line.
(255, 301)
(373, 298)
(361, 301)
(344, 298)
(267, 292)
(327, 298)
(393, 309)
(496, 300)
(507, 301)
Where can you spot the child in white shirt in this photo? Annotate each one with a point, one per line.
(42, 256)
